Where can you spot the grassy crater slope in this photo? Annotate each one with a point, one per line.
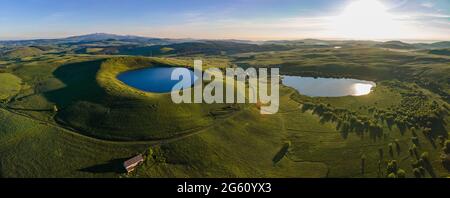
(10, 85)
(21, 52)
(97, 104)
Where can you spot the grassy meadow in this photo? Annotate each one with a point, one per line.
(67, 115)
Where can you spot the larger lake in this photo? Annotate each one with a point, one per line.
(328, 87)
(153, 79)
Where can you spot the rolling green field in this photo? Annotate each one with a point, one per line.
(66, 115)
(11, 85)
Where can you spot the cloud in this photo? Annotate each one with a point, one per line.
(427, 5)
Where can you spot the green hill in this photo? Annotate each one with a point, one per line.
(95, 102)
(445, 52)
(10, 85)
(22, 52)
(188, 48)
(396, 45)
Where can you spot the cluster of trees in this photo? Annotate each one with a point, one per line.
(393, 170)
(445, 158)
(434, 87)
(154, 155)
(347, 121)
(394, 148)
(415, 111)
(413, 114)
(422, 165)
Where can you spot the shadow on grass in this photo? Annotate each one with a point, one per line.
(80, 81)
(112, 166)
(283, 151)
(28, 109)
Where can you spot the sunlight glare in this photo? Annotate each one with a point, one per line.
(367, 19)
(361, 89)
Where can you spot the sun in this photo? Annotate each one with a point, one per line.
(367, 19)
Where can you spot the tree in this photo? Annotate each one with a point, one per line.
(363, 163)
(392, 175)
(379, 168)
(401, 173)
(391, 150)
(422, 171)
(426, 164)
(392, 167)
(415, 140)
(427, 132)
(413, 131)
(380, 153)
(441, 140)
(424, 157)
(155, 155)
(417, 173)
(445, 159)
(413, 151)
(446, 148)
(397, 146)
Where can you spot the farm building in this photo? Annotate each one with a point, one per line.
(132, 163)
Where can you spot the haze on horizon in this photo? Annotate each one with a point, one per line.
(232, 19)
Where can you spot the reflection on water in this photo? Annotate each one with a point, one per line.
(361, 89)
(328, 87)
(154, 79)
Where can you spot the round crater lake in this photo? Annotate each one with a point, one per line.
(328, 87)
(154, 79)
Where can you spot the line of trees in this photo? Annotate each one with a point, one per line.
(445, 157)
(347, 121)
(416, 110)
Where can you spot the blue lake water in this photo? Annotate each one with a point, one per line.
(154, 79)
(158, 80)
(328, 87)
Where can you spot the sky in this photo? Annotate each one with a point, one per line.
(229, 19)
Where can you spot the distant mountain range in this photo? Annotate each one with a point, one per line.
(103, 36)
(111, 44)
(109, 39)
(402, 45)
(93, 38)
